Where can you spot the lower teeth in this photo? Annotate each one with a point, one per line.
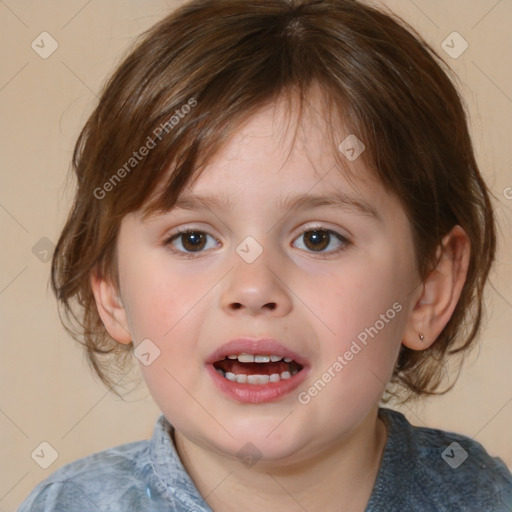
(256, 379)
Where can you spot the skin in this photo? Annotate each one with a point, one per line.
(323, 455)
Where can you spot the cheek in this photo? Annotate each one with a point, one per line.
(158, 297)
(362, 307)
(358, 360)
(164, 306)
(354, 298)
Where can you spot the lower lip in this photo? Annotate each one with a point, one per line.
(256, 393)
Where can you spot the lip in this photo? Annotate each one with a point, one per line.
(256, 393)
(252, 346)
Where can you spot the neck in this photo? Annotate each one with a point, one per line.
(339, 478)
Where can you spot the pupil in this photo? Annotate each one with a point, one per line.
(320, 239)
(193, 241)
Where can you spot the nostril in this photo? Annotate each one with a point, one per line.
(272, 306)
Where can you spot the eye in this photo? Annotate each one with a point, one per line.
(191, 241)
(319, 239)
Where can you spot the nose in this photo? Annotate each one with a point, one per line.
(256, 288)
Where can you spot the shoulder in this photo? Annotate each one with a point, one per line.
(454, 471)
(102, 477)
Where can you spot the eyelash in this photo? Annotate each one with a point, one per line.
(345, 243)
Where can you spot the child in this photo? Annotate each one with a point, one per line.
(280, 215)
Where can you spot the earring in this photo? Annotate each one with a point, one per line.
(421, 337)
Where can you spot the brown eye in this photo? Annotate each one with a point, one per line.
(191, 241)
(318, 240)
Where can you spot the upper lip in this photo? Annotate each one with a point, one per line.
(263, 346)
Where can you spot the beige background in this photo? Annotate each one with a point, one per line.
(47, 391)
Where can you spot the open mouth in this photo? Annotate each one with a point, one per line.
(256, 368)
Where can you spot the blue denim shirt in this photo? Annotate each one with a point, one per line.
(422, 469)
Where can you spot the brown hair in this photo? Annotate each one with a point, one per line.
(208, 66)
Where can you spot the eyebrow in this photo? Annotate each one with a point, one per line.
(291, 203)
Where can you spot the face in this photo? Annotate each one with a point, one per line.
(251, 271)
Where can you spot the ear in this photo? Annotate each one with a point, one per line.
(440, 291)
(110, 308)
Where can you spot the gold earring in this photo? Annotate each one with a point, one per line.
(421, 337)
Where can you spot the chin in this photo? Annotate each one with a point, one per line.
(264, 440)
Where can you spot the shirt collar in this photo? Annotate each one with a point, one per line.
(163, 469)
(397, 467)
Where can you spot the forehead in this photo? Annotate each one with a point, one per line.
(289, 125)
(277, 149)
(282, 152)
(272, 169)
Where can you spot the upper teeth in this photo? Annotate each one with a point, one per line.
(258, 358)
